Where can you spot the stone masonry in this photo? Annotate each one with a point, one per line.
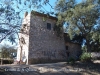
(38, 42)
(74, 50)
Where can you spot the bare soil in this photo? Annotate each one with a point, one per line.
(60, 68)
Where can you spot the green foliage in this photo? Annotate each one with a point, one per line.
(96, 36)
(58, 30)
(71, 61)
(63, 5)
(82, 18)
(84, 49)
(85, 57)
(7, 52)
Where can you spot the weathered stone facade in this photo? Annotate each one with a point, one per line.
(73, 50)
(40, 41)
(23, 46)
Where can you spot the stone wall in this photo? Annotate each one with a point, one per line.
(23, 46)
(40, 43)
(43, 43)
(74, 50)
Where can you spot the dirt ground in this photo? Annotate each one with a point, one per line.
(60, 68)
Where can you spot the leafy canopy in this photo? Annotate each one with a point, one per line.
(82, 19)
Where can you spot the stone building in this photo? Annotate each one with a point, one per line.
(38, 42)
(73, 50)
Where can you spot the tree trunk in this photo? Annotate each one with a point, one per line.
(88, 46)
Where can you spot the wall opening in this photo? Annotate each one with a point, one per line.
(68, 54)
(49, 26)
(66, 47)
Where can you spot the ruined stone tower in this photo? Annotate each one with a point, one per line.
(38, 41)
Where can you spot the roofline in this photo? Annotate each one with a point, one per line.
(43, 15)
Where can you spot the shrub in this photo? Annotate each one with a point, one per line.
(71, 61)
(85, 57)
(8, 61)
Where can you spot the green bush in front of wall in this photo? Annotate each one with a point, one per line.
(86, 57)
(71, 61)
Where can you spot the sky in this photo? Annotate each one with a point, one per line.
(52, 2)
(47, 8)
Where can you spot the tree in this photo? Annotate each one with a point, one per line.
(11, 15)
(81, 18)
(10, 21)
(7, 52)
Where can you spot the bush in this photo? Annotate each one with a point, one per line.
(71, 61)
(86, 57)
(8, 61)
